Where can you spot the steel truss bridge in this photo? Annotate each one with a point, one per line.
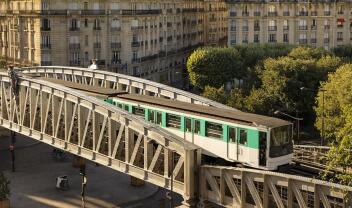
(103, 133)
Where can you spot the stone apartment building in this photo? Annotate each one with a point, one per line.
(317, 23)
(145, 38)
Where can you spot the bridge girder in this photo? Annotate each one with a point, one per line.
(100, 132)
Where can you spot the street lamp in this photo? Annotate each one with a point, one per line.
(323, 114)
(298, 119)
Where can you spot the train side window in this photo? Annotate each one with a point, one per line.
(138, 111)
(196, 126)
(158, 118)
(213, 130)
(232, 134)
(126, 107)
(114, 103)
(120, 105)
(151, 116)
(188, 124)
(243, 136)
(173, 121)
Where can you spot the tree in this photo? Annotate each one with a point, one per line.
(214, 67)
(340, 155)
(343, 51)
(338, 95)
(216, 94)
(2, 63)
(4, 187)
(283, 77)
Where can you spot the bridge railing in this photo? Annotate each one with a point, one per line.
(239, 187)
(120, 82)
(98, 131)
(315, 156)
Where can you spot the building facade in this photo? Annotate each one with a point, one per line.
(325, 24)
(149, 39)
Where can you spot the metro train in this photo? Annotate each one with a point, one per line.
(252, 140)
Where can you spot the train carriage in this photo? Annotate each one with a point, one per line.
(253, 140)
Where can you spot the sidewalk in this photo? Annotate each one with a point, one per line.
(33, 183)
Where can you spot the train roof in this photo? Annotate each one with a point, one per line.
(207, 111)
(89, 89)
(194, 109)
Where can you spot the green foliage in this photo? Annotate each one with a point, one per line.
(283, 77)
(252, 54)
(307, 53)
(215, 94)
(4, 187)
(2, 63)
(214, 66)
(340, 155)
(338, 95)
(344, 51)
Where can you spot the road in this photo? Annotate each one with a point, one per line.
(33, 183)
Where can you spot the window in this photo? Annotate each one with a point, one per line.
(73, 6)
(243, 136)
(285, 38)
(86, 40)
(138, 111)
(74, 24)
(86, 56)
(213, 130)
(96, 23)
(46, 24)
(115, 56)
(151, 116)
(197, 126)
(256, 38)
(85, 6)
(232, 134)
(339, 36)
(158, 119)
(272, 38)
(114, 6)
(85, 22)
(115, 24)
(173, 121)
(188, 124)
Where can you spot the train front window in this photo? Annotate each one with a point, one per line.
(281, 141)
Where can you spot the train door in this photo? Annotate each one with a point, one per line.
(189, 129)
(262, 148)
(155, 117)
(243, 152)
(232, 144)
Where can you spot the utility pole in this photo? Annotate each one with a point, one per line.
(84, 183)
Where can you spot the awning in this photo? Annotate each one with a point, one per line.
(341, 19)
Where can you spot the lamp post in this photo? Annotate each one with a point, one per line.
(296, 118)
(323, 114)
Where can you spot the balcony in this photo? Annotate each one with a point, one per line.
(46, 63)
(93, 12)
(96, 28)
(45, 29)
(75, 63)
(74, 46)
(135, 44)
(286, 13)
(256, 28)
(303, 13)
(115, 45)
(327, 13)
(314, 13)
(303, 41)
(97, 45)
(115, 29)
(135, 60)
(326, 40)
(256, 13)
(303, 27)
(115, 62)
(313, 40)
(244, 28)
(339, 39)
(74, 29)
(245, 14)
(286, 27)
(272, 14)
(141, 12)
(45, 46)
(136, 27)
(233, 14)
(313, 27)
(148, 58)
(272, 28)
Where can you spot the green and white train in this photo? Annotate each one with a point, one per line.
(253, 140)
